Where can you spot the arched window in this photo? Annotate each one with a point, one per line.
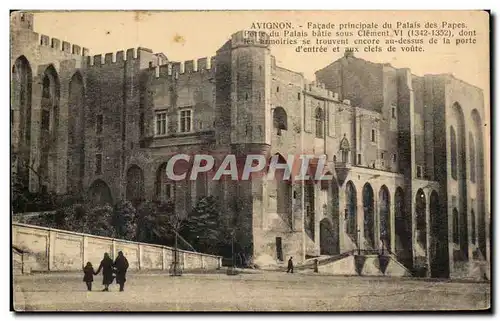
(280, 121)
(453, 156)
(320, 118)
(472, 155)
(46, 87)
(21, 113)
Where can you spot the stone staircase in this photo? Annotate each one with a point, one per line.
(364, 263)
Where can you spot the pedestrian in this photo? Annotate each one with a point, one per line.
(88, 275)
(107, 271)
(290, 265)
(121, 266)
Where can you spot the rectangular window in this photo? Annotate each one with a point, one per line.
(382, 155)
(373, 135)
(161, 123)
(420, 171)
(359, 159)
(393, 158)
(394, 112)
(98, 164)
(298, 96)
(185, 121)
(99, 123)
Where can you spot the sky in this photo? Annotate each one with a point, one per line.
(194, 34)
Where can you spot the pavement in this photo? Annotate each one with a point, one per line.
(264, 291)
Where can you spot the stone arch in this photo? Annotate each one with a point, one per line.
(100, 193)
(21, 119)
(162, 193)
(480, 182)
(385, 217)
(319, 116)
(403, 228)
(135, 185)
(178, 192)
(49, 126)
(453, 153)
(76, 133)
(330, 197)
(280, 119)
(456, 226)
(458, 117)
(327, 240)
(421, 228)
(369, 215)
(334, 204)
(439, 264)
(310, 202)
(351, 220)
(472, 158)
(282, 192)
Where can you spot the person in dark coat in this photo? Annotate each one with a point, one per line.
(121, 266)
(107, 271)
(88, 275)
(290, 265)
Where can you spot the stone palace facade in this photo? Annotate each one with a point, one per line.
(407, 152)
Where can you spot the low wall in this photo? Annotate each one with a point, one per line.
(56, 250)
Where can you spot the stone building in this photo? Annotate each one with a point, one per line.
(406, 152)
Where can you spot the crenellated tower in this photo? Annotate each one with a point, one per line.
(243, 122)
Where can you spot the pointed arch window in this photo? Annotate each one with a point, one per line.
(472, 158)
(280, 121)
(344, 149)
(453, 152)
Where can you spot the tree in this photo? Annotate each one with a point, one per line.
(72, 218)
(99, 221)
(17, 158)
(125, 220)
(203, 226)
(154, 222)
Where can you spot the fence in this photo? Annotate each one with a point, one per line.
(50, 249)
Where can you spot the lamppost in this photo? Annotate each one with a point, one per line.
(174, 270)
(232, 249)
(232, 270)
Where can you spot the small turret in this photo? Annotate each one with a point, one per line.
(21, 20)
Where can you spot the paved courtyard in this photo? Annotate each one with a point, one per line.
(266, 291)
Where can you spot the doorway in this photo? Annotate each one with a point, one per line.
(279, 249)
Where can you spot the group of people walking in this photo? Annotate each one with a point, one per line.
(110, 271)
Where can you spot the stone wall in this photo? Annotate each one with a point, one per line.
(56, 250)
